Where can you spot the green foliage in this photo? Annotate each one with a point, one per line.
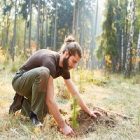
(47, 14)
(120, 95)
(74, 114)
(85, 77)
(116, 33)
(99, 82)
(7, 7)
(108, 41)
(14, 68)
(137, 23)
(100, 51)
(81, 81)
(7, 63)
(64, 21)
(135, 79)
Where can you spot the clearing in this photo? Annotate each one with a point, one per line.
(117, 98)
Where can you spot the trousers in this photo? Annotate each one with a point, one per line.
(32, 85)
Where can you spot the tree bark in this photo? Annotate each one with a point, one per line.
(38, 26)
(46, 27)
(125, 37)
(14, 34)
(74, 16)
(137, 65)
(30, 24)
(55, 26)
(25, 29)
(128, 65)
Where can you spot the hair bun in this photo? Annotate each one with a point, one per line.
(69, 39)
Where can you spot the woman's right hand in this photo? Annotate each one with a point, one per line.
(67, 130)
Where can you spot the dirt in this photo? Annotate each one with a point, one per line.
(87, 124)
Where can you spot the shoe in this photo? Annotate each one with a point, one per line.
(35, 120)
(17, 103)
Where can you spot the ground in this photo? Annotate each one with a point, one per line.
(117, 98)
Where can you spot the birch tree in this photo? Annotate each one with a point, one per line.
(128, 64)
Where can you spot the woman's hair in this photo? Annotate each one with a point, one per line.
(71, 46)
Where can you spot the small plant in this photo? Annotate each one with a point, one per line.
(74, 114)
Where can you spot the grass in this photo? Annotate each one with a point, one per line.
(116, 94)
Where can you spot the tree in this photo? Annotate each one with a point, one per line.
(108, 42)
(137, 65)
(30, 23)
(14, 33)
(24, 12)
(128, 65)
(64, 21)
(46, 25)
(38, 24)
(55, 25)
(6, 18)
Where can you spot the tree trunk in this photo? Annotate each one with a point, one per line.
(24, 49)
(30, 24)
(14, 33)
(81, 39)
(125, 37)
(74, 18)
(93, 36)
(46, 27)
(122, 49)
(77, 22)
(38, 26)
(137, 65)
(7, 29)
(128, 65)
(55, 26)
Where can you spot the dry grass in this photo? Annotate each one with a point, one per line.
(116, 94)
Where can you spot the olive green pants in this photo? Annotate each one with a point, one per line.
(33, 86)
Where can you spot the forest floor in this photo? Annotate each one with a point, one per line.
(117, 98)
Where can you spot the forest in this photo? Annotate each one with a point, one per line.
(107, 76)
